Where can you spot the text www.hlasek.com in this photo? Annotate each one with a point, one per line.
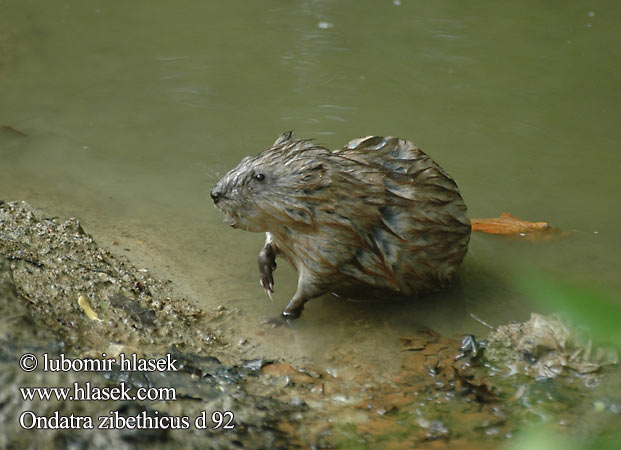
(95, 393)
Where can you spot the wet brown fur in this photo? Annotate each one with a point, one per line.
(378, 212)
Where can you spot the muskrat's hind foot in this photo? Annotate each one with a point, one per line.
(267, 264)
(295, 307)
(291, 314)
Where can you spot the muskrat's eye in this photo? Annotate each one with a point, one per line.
(259, 177)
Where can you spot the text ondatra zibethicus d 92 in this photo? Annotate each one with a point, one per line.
(377, 213)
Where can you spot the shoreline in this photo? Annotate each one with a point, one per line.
(65, 295)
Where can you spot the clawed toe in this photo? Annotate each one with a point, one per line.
(268, 287)
(268, 292)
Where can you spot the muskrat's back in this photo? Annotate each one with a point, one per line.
(420, 230)
(378, 212)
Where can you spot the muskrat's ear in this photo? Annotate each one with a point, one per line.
(283, 138)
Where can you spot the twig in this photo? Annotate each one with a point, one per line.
(482, 322)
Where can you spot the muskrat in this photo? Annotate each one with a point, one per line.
(378, 213)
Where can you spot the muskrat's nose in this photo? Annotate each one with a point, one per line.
(215, 195)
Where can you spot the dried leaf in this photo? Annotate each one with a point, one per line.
(413, 344)
(476, 386)
(86, 307)
(509, 225)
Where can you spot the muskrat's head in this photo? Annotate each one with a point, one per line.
(273, 188)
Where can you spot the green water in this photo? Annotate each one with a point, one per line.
(132, 110)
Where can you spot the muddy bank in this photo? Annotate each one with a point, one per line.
(60, 293)
(46, 266)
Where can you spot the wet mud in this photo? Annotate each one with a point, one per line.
(60, 293)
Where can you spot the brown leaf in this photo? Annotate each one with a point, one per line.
(475, 385)
(284, 369)
(413, 344)
(509, 225)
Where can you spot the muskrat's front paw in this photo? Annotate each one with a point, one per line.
(267, 265)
